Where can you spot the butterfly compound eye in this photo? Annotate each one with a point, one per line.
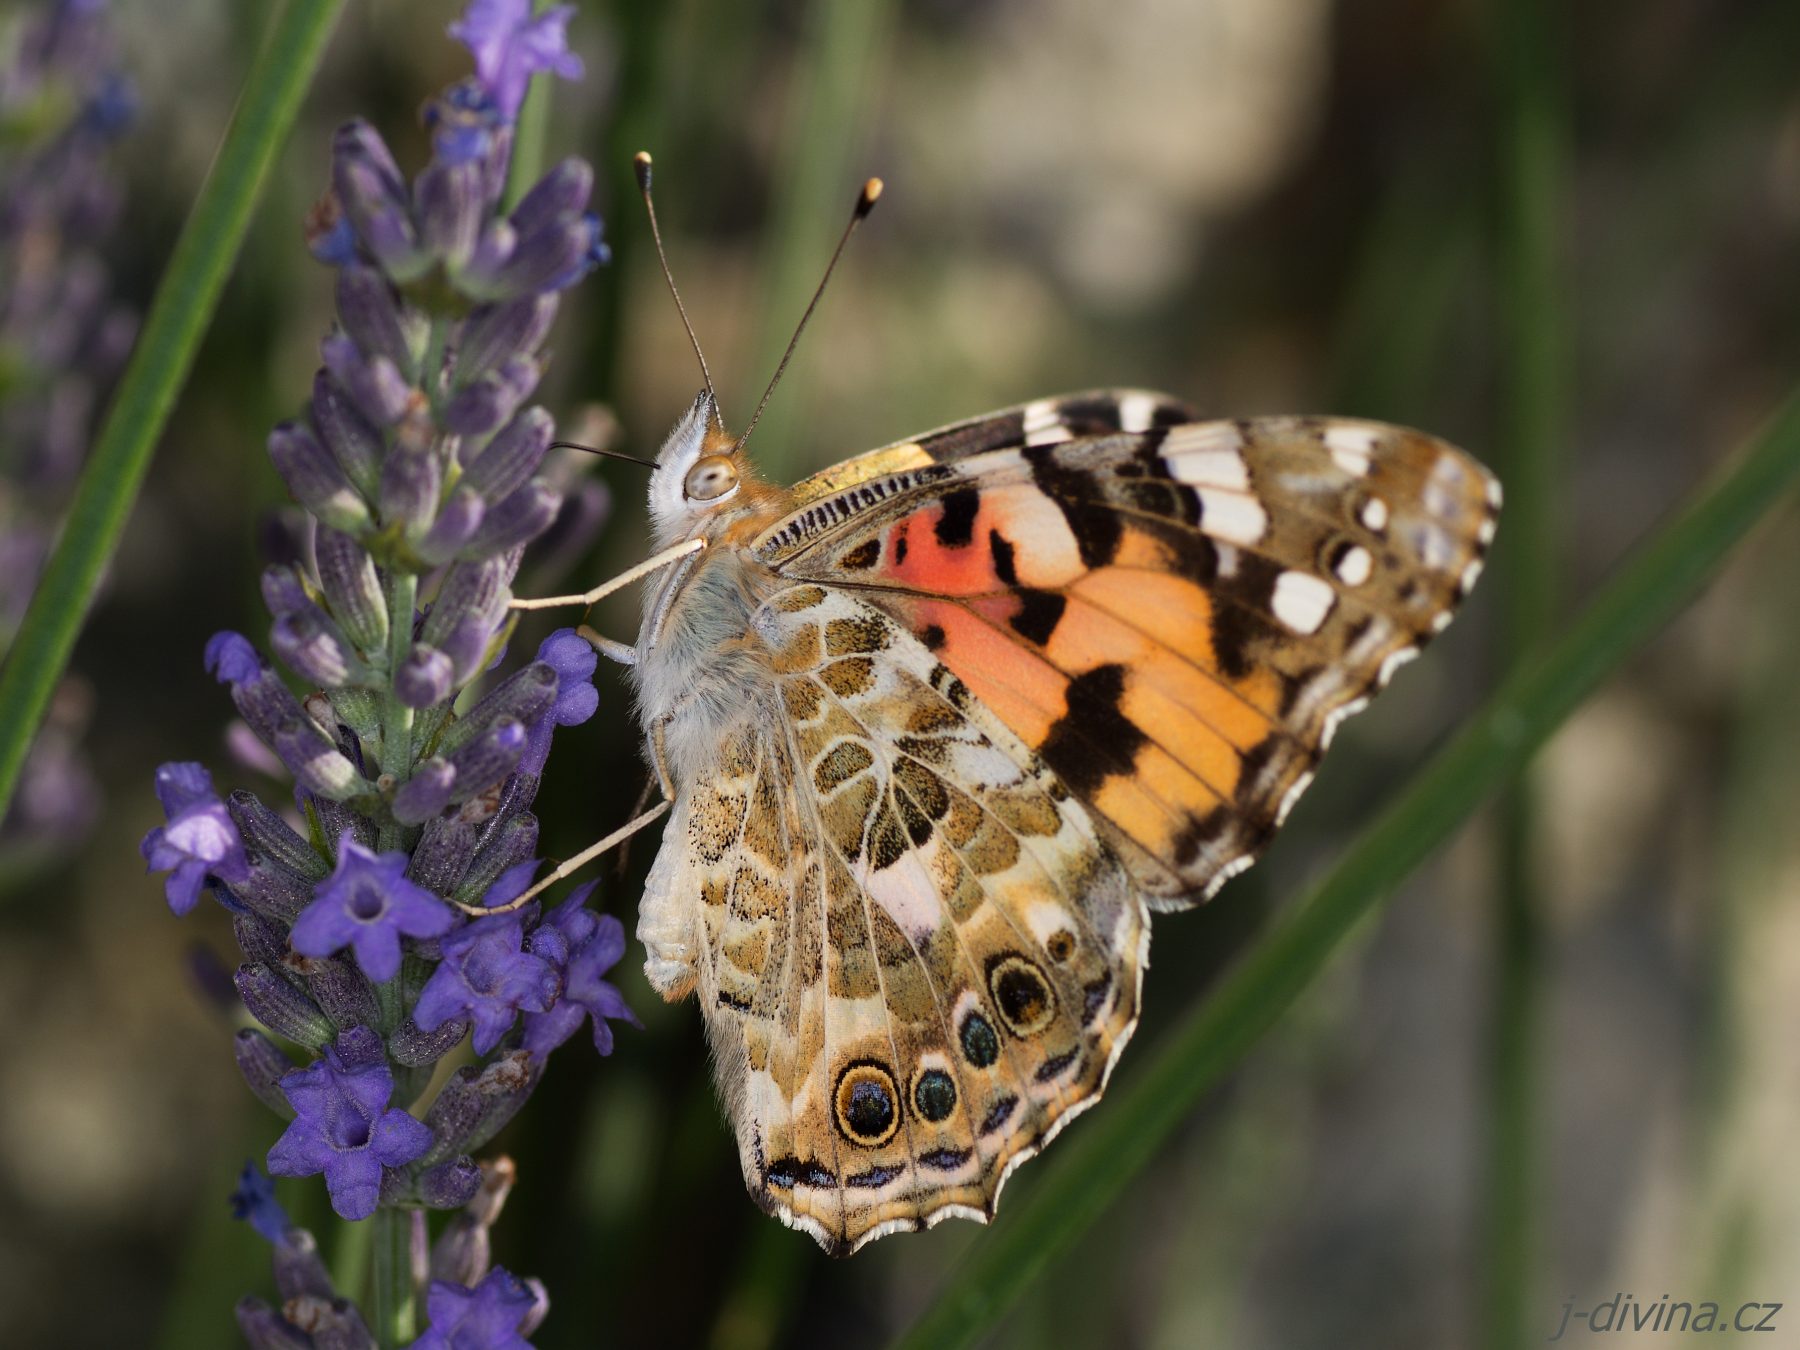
(711, 478)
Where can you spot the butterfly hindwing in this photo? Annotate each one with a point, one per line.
(1173, 619)
(949, 963)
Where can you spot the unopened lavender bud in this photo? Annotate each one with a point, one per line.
(267, 833)
(342, 992)
(523, 697)
(316, 764)
(283, 591)
(475, 1104)
(260, 939)
(313, 477)
(340, 1326)
(493, 332)
(469, 591)
(513, 843)
(426, 793)
(450, 206)
(263, 1065)
(564, 191)
(509, 460)
(375, 384)
(554, 257)
(454, 527)
(373, 316)
(273, 892)
(314, 650)
(265, 1329)
(488, 758)
(410, 482)
(484, 404)
(335, 818)
(520, 518)
(415, 1049)
(299, 1270)
(442, 854)
(375, 199)
(281, 1007)
(449, 1185)
(352, 588)
(425, 677)
(352, 438)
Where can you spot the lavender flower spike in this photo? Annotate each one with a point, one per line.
(343, 1126)
(200, 839)
(368, 905)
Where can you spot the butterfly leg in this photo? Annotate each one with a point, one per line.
(621, 652)
(653, 563)
(659, 755)
(580, 860)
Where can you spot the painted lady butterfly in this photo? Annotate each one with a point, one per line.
(943, 724)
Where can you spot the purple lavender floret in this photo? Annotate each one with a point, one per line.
(574, 660)
(343, 1125)
(200, 839)
(584, 946)
(368, 905)
(496, 1314)
(510, 46)
(489, 977)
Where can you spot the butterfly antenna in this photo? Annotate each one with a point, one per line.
(598, 450)
(640, 164)
(865, 203)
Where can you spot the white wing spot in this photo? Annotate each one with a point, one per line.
(1136, 412)
(1351, 448)
(1354, 567)
(1235, 516)
(1043, 423)
(1375, 515)
(1301, 601)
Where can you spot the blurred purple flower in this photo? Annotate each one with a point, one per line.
(199, 840)
(343, 1126)
(510, 46)
(368, 905)
(496, 1314)
(584, 946)
(254, 1201)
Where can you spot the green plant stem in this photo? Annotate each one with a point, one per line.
(1105, 1152)
(1533, 348)
(394, 1312)
(529, 132)
(159, 365)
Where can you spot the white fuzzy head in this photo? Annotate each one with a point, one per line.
(688, 482)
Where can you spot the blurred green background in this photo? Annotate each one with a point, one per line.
(1260, 205)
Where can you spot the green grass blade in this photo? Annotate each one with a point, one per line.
(159, 365)
(1112, 1146)
(1533, 342)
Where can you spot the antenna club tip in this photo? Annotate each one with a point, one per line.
(871, 193)
(640, 165)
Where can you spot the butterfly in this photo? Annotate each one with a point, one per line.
(944, 724)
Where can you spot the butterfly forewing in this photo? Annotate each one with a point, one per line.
(1175, 619)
